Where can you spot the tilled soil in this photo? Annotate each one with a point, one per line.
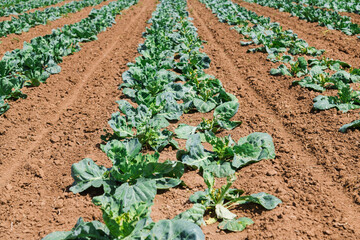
(315, 172)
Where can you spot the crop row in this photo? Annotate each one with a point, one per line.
(352, 6)
(39, 59)
(7, 3)
(326, 18)
(8, 8)
(24, 22)
(165, 82)
(277, 43)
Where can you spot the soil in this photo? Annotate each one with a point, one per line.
(315, 172)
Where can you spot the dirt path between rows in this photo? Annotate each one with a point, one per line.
(14, 41)
(315, 172)
(59, 124)
(337, 44)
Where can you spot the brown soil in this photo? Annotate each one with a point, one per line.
(315, 172)
(14, 41)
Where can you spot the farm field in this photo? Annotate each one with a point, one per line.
(310, 168)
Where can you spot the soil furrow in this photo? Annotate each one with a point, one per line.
(59, 124)
(337, 44)
(310, 195)
(14, 41)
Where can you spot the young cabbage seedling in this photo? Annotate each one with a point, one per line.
(219, 201)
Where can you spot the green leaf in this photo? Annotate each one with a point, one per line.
(226, 110)
(203, 106)
(194, 214)
(82, 230)
(281, 70)
(122, 222)
(143, 191)
(87, 174)
(328, 102)
(167, 174)
(6, 86)
(266, 200)
(175, 230)
(196, 156)
(354, 124)
(120, 126)
(3, 106)
(220, 170)
(229, 125)
(253, 148)
(235, 225)
(201, 197)
(183, 131)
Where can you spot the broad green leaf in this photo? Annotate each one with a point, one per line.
(6, 86)
(122, 222)
(183, 131)
(226, 110)
(120, 126)
(166, 183)
(219, 169)
(194, 214)
(196, 156)
(235, 225)
(126, 108)
(201, 197)
(328, 102)
(266, 200)
(175, 230)
(354, 124)
(87, 174)
(203, 106)
(82, 230)
(281, 70)
(229, 125)
(143, 191)
(253, 148)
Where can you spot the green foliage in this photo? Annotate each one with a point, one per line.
(221, 120)
(39, 59)
(219, 201)
(25, 21)
(226, 155)
(129, 165)
(326, 18)
(352, 125)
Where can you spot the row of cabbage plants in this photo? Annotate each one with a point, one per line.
(324, 17)
(14, 7)
(26, 21)
(166, 81)
(284, 46)
(39, 58)
(351, 6)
